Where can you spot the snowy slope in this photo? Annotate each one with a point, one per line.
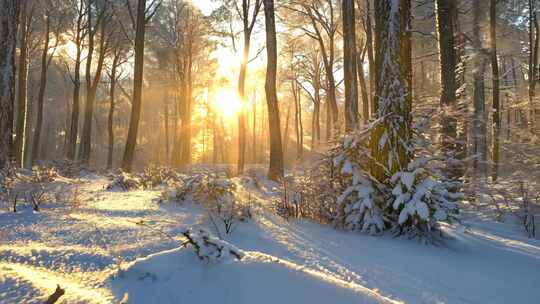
(82, 249)
(178, 275)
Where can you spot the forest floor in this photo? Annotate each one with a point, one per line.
(109, 243)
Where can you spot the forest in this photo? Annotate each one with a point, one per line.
(200, 151)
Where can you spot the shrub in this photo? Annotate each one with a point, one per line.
(124, 182)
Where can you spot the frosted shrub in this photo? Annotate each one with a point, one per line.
(422, 199)
(124, 182)
(361, 203)
(311, 194)
(155, 176)
(209, 248)
(217, 195)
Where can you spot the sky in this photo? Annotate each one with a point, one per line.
(206, 6)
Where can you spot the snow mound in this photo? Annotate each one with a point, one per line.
(178, 276)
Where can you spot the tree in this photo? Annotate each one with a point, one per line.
(47, 53)
(26, 16)
(445, 13)
(349, 66)
(496, 128)
(322, 27)
(479, 120)
(275, 170)
(80, 33)
(248, 24)
(140, 24)
(391, 138)
(93, 82)
(9, 10)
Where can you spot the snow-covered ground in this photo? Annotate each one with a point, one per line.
(114, 243)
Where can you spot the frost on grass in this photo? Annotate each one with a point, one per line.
(217, 195)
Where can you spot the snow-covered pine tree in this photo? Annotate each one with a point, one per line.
(384, 185)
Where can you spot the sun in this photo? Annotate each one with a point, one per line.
(227, 102)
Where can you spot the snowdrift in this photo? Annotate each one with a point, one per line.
(178, 276)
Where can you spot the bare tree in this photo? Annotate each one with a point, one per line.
(26, 15)
(47, 54)
(80, 33)
(275, 170)
(93, 82)
(142, 18)
(248, 14)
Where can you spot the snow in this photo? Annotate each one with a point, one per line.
(99, 250)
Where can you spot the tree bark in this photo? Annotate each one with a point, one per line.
(363, 87)
(22, 92)
(349, 66)
(129, 152)
(112, 104)
(392, 135)
(495, 80)
(445, 12)
(480, 130)
(8, 44)
(275, 170)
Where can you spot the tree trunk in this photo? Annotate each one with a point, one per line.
(41, 95)
(91, 90)
(166, 124)
(495, 79)
(22, 98)
(298, 120)
(286, 131)
(71, 148)
(371, 60)
(242, 95)
(480, 130)
(363, 87)
(8, 44)
(391, 137)
(349, 66)
(129, 152)
(275, 170)
(445, 12)
(112, 100)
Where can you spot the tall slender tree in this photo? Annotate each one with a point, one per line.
(92, 82)
(27, 10)
(248, 13)
(47, 54)
(275, 170)
(136, 105)
(496, 128)
(445, 13)
(479, 130)
(349, 65)
(80, 33)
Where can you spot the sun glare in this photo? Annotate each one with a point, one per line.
(227, 102)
